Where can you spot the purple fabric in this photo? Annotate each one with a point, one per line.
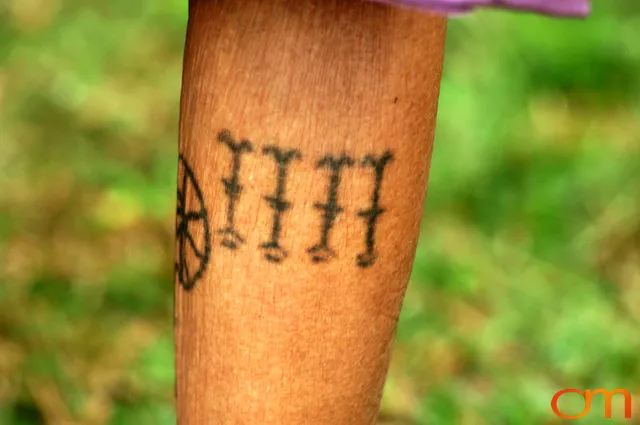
(566, 8)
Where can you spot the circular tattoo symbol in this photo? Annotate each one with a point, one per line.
(193, 237)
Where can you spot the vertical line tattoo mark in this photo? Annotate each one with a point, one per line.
(185, 220)
(273, 252)
(231, 237)
(321, 252)
(371, 215)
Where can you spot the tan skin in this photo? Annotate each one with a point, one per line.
(269, 335)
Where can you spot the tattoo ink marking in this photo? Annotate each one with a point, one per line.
(231, 237)
(371, 215)
(273, 252)
(189, 225)
(321, 252)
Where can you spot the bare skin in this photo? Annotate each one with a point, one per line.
(305, 140)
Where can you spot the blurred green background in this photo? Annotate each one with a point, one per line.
(527, 277)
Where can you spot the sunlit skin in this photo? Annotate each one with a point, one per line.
(305, 140)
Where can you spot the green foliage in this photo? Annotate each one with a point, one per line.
(526, 276)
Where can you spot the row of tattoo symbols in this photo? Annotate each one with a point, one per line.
(193, 231)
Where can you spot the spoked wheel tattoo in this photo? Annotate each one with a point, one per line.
(193, 239)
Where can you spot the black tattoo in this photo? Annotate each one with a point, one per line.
(188, 221)
(231, 237)
(371, 215)
(193, 236)
(321, 252)
(272, 250)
